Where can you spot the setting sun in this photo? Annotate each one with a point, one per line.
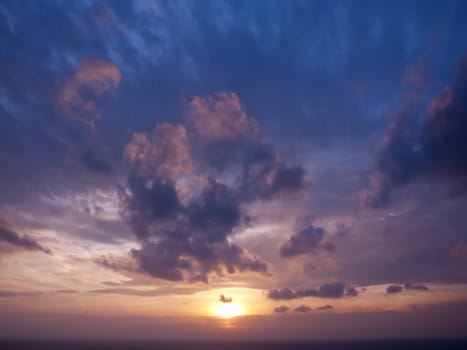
(228, 310)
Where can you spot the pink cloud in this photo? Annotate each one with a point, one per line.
(441, 102)
(165, 154)
(220, 116)
(95, 76)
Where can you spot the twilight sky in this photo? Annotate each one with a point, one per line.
(166, 163)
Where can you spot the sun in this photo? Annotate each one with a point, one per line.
(228, 310)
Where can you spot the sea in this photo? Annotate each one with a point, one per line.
(393, 344)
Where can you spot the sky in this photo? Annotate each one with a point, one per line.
(233, 169)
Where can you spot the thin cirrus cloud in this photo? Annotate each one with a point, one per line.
(193, 230)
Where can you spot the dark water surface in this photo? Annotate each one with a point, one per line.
(447, 344)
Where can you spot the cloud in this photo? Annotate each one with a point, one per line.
(117, 263)
(416, 286)
(22, 241)
(326, 290)
(281, 309)
(393, 289)
(93, 77)
(326, 307)
(302, 308)
(66, 291)
(165, 154)
(307, 240)
(187, 237)
(351, 292)
(225, 299)
(12, 294)
(332, 290)
(433, 145)
(219, 117)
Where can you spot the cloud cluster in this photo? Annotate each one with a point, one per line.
(92, 78)
(326, 290)
(188, 237)
(432, 145)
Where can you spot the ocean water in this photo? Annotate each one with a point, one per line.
(425, 344)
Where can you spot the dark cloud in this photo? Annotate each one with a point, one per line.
(224, 299)
(326, 307)
(425, 143)
(332, 290)
(351, 292)
(184, 231)
(307, 240)
(393, 289)
(326, 290)
(22, 241)
(302, 308)
(66, 291)
(416, 286)
(13, 294)
(281, 309)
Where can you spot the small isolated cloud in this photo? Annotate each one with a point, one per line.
(393, 289)
(224, 299)
(327, 290)
(351, 292)
(10, 236)
(302, 308)
(92, 78)
(281, 309)
(326, 307)
(416, 286)
(306, 240)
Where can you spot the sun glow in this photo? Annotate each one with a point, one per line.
(228, 310)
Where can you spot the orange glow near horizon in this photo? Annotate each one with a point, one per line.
(228, 310)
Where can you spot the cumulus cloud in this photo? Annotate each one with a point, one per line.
(219, 117)
(302, 308)
(307, 240)
(326, 290)
(434, 145)
(22, 241)
(393, 289)
(224, 299)
(93, 77)
(188, 237)
(281, 309)
(165, 154)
